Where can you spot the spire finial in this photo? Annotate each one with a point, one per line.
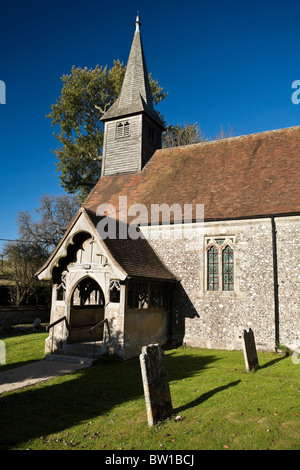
(137, 22)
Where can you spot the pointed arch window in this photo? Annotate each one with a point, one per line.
(87, 293)
(114, 288)
(220, 264)
(213, 269)
(228, 268)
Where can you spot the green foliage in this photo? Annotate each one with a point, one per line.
(22, 345)
(24, 259)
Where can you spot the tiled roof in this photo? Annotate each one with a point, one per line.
(135, 256)
(248, 176)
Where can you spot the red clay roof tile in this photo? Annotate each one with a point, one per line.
(247, 176)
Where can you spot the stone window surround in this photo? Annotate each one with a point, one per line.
(209, 241)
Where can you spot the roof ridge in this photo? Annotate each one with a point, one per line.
(208, 142)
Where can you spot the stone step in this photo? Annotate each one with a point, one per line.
(70, 359)
(77, 352)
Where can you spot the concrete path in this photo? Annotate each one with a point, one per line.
(36, 372)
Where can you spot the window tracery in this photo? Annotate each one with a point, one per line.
(145, 295)
(87, 292)
(220, 263)
(114, 291)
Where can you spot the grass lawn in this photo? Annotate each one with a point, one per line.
(22, 345)
(217, 405)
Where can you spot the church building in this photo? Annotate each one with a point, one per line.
(184, 245)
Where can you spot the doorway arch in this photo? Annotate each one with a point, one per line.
(86, 310)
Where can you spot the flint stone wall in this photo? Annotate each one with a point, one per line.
(24, 314)
(209, 319)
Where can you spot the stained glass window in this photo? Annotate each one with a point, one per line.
(228, 269)
(220, 264)
(212, 269)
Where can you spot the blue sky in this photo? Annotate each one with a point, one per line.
(224, 63)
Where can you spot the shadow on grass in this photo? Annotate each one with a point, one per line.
(273, 361)
(205, 397)
(21, 330)
(60, 404)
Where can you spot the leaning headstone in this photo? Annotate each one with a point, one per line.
(250, 353)
(155, 382)
(2, 353)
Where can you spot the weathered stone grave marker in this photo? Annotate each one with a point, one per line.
(155, 382)
(249, 349)
(2, 353)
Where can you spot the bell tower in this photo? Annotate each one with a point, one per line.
(132, 128)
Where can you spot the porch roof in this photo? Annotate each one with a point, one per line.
(134, 257)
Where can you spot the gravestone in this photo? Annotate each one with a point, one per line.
(250, 353)
(2, 353)
(36, 324)
(155, 382)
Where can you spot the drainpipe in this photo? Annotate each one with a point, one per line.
(275, 277)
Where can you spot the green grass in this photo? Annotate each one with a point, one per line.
(102, 407)
(22, 345)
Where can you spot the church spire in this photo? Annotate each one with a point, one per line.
(135, 96)
(132, 128)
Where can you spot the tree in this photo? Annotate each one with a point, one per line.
(175, 136)
(187, 134)
(222, 134)
(55, 213)
(85, 95)
(38, 236)
(23, 260)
